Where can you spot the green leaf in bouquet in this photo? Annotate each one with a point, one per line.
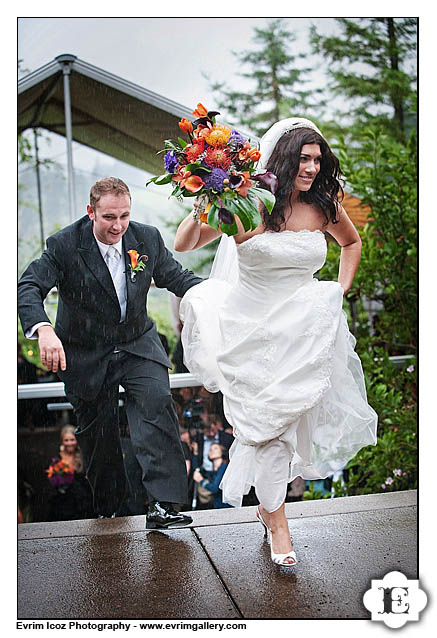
(238, 209)
(182, 142)
(163, 179)
(175, 192)
(267, 198)
(213, 216)
(196, 166)
(171, 144)
(229, 229)
(248, 212)
(153, 179)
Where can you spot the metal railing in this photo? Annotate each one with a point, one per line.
(56, 389)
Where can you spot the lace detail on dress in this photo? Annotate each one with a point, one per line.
(305, 249)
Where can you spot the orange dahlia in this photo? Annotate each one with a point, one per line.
(192, 151)
(218, 157)
(219, 135)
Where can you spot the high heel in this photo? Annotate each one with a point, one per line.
(278, 559)
(260, 518)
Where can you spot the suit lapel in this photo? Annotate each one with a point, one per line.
(92, 257)
(130, 242)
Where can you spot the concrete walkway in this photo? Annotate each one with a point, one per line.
(219, 567)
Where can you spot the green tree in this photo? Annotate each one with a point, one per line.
(371, 64)
(277, 78)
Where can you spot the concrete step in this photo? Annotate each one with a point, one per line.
(219, 567)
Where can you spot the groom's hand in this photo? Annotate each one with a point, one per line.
(51, 350)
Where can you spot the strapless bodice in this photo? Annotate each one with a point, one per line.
(271, 263)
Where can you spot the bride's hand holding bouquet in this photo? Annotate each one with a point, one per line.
(217, 166)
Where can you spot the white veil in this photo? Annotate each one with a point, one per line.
(225, 264)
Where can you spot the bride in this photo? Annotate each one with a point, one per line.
(274, 339)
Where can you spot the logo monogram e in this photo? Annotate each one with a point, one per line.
(402, 592)
(395, 600)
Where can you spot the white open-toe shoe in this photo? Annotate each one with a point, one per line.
(285, 560)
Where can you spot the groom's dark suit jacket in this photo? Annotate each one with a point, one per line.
(88, 316)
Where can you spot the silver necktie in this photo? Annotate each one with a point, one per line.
(112, 258)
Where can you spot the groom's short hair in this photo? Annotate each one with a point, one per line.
(105, 186)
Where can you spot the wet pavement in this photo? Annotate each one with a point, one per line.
(219, 567)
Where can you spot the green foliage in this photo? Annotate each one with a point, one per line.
(277, 78)
(29, 348)
(382, 172)
(391, 465)
(370, 65)
(313, 494)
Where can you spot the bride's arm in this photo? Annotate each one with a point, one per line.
(191, 235)
(346, 235)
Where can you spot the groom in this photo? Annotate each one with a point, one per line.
(103, 337)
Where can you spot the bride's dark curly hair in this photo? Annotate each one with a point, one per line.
(326, 191)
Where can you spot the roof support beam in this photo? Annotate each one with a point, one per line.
(66, 61)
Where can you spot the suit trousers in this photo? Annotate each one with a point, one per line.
(153, 427)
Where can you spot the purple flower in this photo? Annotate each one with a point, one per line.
(410, 368)
(225, 216)
(267, 179)
(397, 472)
(170, 161)
(214, 179)
(56, 480)
(389, 480)
(383, 486)
(237, 138)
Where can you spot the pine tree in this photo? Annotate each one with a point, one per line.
(369, 67)
(278, 82)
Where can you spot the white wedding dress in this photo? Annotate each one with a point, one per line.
(277, 345)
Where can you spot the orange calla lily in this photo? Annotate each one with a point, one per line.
(193, 183)
(247, 183)
(181, 175)
(185, 125)
(201, 111)
(133, 254)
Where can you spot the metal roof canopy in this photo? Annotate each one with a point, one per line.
(100, 110)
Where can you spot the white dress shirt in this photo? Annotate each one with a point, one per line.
(119, 280)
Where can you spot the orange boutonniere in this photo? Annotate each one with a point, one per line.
(137, 264)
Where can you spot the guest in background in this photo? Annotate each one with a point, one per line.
(211, 480)
(73, 498)
(212, 432)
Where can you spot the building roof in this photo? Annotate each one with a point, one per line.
(109, 114)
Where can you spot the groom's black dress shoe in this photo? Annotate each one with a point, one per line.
(163, 515)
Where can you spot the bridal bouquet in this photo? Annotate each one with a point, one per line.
(60, 474)
(218, 165)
